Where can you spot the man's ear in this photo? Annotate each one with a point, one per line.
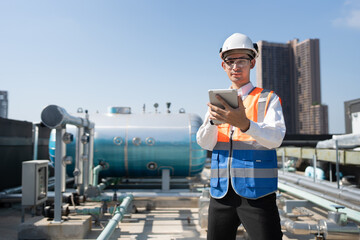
(252, 63)
(223, 65)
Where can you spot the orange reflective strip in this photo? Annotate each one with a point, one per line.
(251, 105)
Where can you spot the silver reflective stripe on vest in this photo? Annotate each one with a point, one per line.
(272, 97)
(240, 145)
(245, 173)
(254, 172)
(219, 173)
(261, 105)
(222, 146)
(248, 145)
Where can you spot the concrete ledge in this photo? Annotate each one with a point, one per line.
(75, 227)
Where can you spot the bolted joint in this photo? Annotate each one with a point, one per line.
(85, 139)
(76, 172)
(68, 138)
(84, 157)
(67, 160)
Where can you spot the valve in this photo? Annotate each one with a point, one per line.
(168, 104)
(156, 105)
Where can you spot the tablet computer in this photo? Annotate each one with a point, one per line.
(229, 95)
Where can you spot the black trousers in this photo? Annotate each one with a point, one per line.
(259, 217)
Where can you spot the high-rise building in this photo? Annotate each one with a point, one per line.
(292, 70)
(3, 104)
(352, 116)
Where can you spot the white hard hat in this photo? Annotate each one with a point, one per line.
(239, 41)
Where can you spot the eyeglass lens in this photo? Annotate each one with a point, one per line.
(241, 62)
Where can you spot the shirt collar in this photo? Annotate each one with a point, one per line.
(245, 90)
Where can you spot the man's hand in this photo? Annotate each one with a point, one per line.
(234, 116)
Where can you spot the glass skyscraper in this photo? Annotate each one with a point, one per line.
(3, 104)
(292, 70)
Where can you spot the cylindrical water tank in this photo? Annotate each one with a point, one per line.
(141, 145)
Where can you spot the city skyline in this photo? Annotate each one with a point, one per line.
(94, 54)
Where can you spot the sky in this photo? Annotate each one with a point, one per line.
(96, 54)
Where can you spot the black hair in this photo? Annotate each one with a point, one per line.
(256, 47)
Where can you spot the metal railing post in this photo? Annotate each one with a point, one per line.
(283, 160)
(337, 165)
(330, 172)
(314, 163)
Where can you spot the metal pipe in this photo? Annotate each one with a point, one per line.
(51, 184)
(347, 194)
(85, 163)
(332, 185)
(54, 117)
(118, 216)
(106, 198)
(303, 193)
(96, 171)
(299, 228)
(10, 191)
(326, 196)
(86, 211)
(59, 154)
(325, 227)
(283, 160)
(91, 154)
(78, 171)
(36, 141)
(337, 164)
(314, 163)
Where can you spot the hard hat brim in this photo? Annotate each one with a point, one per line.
(251, 52)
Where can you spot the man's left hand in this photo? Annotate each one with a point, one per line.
(234, 116)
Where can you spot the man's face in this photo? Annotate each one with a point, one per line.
(237, 66)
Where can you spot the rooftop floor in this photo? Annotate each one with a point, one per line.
(160, 223)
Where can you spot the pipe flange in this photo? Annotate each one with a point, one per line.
(151, 166)
(118, 141)
(136, 141)
(150, 141)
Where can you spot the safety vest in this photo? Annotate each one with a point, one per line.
(251, 166)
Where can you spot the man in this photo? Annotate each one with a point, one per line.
(244, 163)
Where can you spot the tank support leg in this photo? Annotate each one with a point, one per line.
(165, 179)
